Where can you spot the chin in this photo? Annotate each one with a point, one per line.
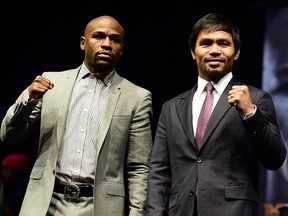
(215, 74)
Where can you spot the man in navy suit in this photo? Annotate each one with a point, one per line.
(218, 177)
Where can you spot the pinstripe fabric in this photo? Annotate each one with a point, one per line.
(77, 156)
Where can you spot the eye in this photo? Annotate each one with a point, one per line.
(224, 43)
(116, 39)
(98, 36)
(205, 43)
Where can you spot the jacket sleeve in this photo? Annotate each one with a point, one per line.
(263, 128)
(20, 121)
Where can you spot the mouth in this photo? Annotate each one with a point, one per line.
(214, 62)
(105, 53)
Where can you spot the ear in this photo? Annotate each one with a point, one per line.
(193, 54)
(236, 56)
(122, 49)
(82, 43)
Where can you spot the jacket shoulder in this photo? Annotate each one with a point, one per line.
(61, 73)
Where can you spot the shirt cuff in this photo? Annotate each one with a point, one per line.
(249, 115)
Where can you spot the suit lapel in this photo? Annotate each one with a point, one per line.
(219, 111)
(64, 101)
(184, 112)
(110, 105)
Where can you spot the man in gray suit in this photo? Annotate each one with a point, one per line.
(95, 133)
(215, 176)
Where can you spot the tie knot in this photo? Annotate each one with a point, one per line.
(209, 87)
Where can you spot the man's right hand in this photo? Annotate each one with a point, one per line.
(39, 87)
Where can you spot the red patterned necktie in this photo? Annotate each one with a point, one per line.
(204, 113)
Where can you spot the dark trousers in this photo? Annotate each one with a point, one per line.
(195, 213)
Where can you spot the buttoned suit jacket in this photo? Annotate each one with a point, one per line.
(124, 144)
(226, 164)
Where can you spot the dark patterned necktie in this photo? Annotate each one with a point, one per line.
(204, 114)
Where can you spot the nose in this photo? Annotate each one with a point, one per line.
(214, 48)
(107, 42)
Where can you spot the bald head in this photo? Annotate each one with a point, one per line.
(103, 43)
(106, 22)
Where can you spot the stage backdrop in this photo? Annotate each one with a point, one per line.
(274, 190)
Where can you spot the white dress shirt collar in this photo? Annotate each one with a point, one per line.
(219, 86)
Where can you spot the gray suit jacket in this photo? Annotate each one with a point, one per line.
(225, 165)
(124, 145)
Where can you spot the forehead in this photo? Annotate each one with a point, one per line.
(105, 25)
(214, 35)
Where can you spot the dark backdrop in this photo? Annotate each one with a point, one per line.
(43, 37)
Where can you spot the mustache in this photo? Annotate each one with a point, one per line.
(214, 59)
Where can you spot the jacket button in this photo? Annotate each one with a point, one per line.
(199, 160)
(191, 193)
